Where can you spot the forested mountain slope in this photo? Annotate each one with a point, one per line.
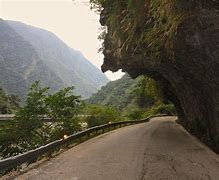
(120, 93)
(28, 54)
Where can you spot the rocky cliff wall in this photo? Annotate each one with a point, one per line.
(176, 43)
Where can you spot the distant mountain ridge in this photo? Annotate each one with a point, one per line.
(28, 54)
(119, 93)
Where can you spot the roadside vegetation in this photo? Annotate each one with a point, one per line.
(8, 103)
(68, 114)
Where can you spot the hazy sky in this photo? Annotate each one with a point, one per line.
(72, 21)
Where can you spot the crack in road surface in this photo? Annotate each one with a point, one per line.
(158, 150)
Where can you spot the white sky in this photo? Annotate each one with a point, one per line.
(72, 21)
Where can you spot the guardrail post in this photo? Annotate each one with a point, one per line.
(79, 140)
(88, 135)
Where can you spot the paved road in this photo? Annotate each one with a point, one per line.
(157, 150)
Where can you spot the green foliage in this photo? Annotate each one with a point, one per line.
(29, 129)
(98, 115)
(8, 103)
(127, 94)
(135, 98)
(146, 92)
(136, 114)
(141, 94)
(62, 107)
(148, 26)
(153, 90)
(119, 93)
(167, 109)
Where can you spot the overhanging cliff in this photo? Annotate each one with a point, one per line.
(176, 43)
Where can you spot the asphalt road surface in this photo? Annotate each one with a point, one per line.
(158, 150)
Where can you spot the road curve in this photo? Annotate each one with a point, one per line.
(158, 150)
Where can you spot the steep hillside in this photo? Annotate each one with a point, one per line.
(119, 93)
(20, 64)
(28, 54)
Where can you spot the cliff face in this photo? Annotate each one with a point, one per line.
(176, 43)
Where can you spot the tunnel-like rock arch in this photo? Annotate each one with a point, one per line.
(176, 43)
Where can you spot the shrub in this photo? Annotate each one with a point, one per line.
(97, 115)
(167, 109)
(135, 114)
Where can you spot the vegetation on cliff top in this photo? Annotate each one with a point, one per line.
(150, 24)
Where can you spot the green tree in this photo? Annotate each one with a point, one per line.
(97, 115)
(29, 129)
(8, 103)
(135, 114)
(63, 107)
(143, 97)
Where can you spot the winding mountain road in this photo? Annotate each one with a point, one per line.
(158, 150)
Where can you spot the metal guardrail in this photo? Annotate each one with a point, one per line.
(10, 117)
(6, 117)
(33, 155)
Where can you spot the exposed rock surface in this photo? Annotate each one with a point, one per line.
(187, 71)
